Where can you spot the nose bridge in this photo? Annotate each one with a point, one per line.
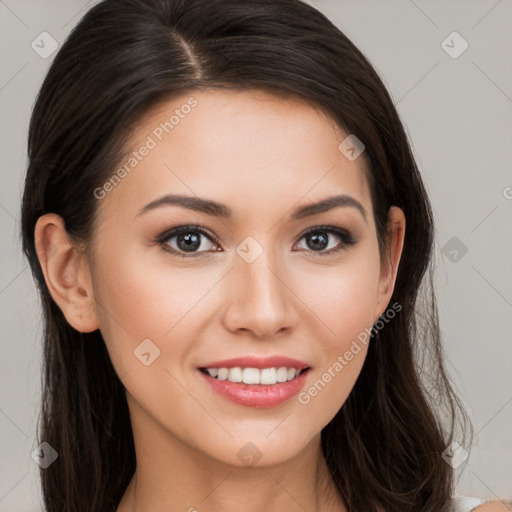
(262, 278)
(259, 299)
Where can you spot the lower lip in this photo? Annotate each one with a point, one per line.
(257, 395)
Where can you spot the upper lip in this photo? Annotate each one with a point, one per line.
(276, 361)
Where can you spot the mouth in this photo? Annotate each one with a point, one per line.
(254, 376)
(256, 382)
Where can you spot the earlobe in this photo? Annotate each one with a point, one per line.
(389, 267)
(65, 273)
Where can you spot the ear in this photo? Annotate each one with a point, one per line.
(389, 264)
(66, 273)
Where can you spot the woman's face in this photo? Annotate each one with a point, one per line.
(254, 286)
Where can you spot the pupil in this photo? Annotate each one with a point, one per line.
(318, 239)
(190, 241)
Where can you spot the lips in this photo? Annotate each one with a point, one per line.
(256, 381)
(258, 362)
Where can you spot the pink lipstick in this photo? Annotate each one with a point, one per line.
(261, 382)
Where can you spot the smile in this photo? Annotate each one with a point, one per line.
(265, 376)
(254, 387)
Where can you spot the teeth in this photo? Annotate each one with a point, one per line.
(250, 375)
(235, 375)
(282, 374)
(269, 376)
(223, 374)
(266, 376)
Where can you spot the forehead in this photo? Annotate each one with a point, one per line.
(247, 149)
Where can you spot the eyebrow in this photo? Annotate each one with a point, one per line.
(220, 210)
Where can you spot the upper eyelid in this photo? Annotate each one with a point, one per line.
(173, 232)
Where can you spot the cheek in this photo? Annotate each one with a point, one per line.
(147, 299)
(141, 296)
(344, 302)
(342, 297)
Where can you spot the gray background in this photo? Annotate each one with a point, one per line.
(457, 112)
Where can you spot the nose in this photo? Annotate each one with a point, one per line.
(259, 298)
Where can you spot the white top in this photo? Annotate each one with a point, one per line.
(466, 504)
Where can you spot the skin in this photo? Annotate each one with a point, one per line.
(261, 156)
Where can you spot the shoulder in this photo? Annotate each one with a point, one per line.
(469, 504)
(492, 506)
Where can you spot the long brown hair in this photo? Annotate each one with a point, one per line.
(383, 447)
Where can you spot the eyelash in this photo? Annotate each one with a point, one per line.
(347, 239)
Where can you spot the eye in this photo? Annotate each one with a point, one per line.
(189, 239)
(195, 241)
(317, 240)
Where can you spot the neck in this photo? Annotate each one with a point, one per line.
(172, 475)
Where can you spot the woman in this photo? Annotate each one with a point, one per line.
(229, 234)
